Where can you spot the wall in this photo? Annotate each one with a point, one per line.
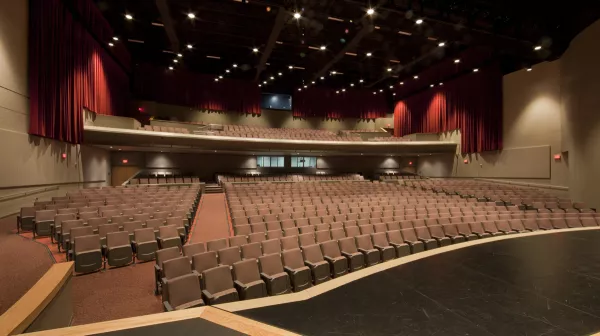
(268, 118)
(207, 165)
(531, 131)
(580, 85)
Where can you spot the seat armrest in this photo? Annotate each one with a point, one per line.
(167, 306)
(363, 250)
(164, 280)
(309, 264)
(347, 255)
(289, 270)
(207, 294)
(379, 247)
(265, 276)
(329, 259)
(238, 284)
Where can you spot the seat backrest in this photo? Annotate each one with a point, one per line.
(312, 253)
(331, 249)
(87, 243)
(217, 279)
(217, 244)
(238, 240)
(70, 224)
(347, 245)
(107, 228)
(83, 231)
(364, 242)
(293, 258)
(271, 246)
(165, 254)
(144, 235)
(379, 239)
(289, 243)
(130, 227)
(352, 231)
(204, 261)
(306, 239)
(246, 271)
(338, 234)
(229, 256)
(395, 237)
(270, 264)
(322, 236)
(176, 267)
(45, 215)
(190, 250)
(184, 289)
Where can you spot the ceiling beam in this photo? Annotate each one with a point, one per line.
(165, 15)
(277, 28)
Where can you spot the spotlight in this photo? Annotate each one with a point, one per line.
(255, 50)
(323, 47)
(128, 16)
(391, 87)
(299, 89)
(170, 68)
(393, 94)
(265, 82)
(419, 21)
(333, 72)
(234, 65)
(322, 78)
(529, 69)
(189, 46)
(369, 54)
(176, 61)
(280, 74)
(115, 38)
(297, 15)
(475, 70)
(191, 15)
(343, 90)
(374, 92)
(431, 85)
(370, 11)
(313, 82)
(441, 44)
(537, 47)
(305, 86)
(110, 44)
(380, 90)
(227, 70)
(360, 81)
(457, 60)
(351, 84)
(216, 79)
(416, 77)
(220, 77)
(389, 69)
(259, 85)
(337, 91)
(401, 83)
(179, 55)
(441, 84)
(290, 67)
(272, 78)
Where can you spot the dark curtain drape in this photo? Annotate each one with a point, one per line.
(178, 87)
(326, 103)
(69, 71)
(471, 103)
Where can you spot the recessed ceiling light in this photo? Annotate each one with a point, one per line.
(227, 70)
(265, 82)
(333, 72)
(305, 86)
(170, 68)
(272, 78)
(343, 90)
(323, 47)
(255, 50)
(351, 84)
(297, 15)
(280, 74)
(360, 81)
(337, 91)
(419, 21)
(216, 79)
(179, 55)
(391, 86)
(369, 54)
(441, 84)
(389, 69)
(475, 70)
(313, 82)
(189, 46)
(370, 11)
(431, 85)
(115, 38)
(259, 85)
(176, 61)
(537, 47)
(191, 15)
(291, 67)
(220, 77)
(457, 60)
(110, 44)
(401, 83)
(529, 69)
(416, 77)
(128, 16)
(299, 89)
(441, 44)
(234, 65)
(393, 94)
(322, 78)
(374, 92)
(380, 90)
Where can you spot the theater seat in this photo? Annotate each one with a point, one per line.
(313, 258)
(332, 254)
(118, 250)
(248, 281)
(365, 246)
(204, 261)
(218, 286)
(272, 272)
(356, 260)
(381, 243)
(184, 292)
(395, 239)
(145, 244)
(191, 250)
(168, 236)
(87, 254)
(299, 273)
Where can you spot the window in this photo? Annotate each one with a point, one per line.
(275, 101)
(304, 162)
(270, 161)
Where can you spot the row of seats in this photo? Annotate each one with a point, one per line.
(388, 139)
(289, 178)
(400, 177)
(181, 130)
(164, 180)
(243, 268)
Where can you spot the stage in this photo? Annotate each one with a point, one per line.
(538, 285)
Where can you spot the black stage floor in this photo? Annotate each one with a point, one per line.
(540, 285)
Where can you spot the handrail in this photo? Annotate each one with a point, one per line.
(24, 312)
(525, 184)
(27, 193)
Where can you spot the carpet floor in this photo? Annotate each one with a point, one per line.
(211, 219)
(22, 263)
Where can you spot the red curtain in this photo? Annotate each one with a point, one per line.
(69, 71)
(178, 87)
(471, 103)
(326, 103)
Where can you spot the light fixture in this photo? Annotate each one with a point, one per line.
(529, 69)
(323, 47)
(370, 11)
(170, 68)
(234, 65)
(419, 21)
(110, 44)
(255, 50)
(441, 44)
(389, 69)
(351, 84)
(265, 82)
(115, 38)
(272, 78)
(369, 54)
(220, 77)
(179, 55)
(475, 70)
(537, 47)
(227, 70)
(431, 85)
(259, 85)
(322, 78)
(401, 83)
(299, 89)
(391, 87)
(216, 79)
(343, 90)
(280, 74)
(380, 90)
(457, 60)
(297, 15)
(191, 15)
(313, 82)
(416, 77)
(305, 86)
(360, 81)
(291, 67)
(176, 61)
(374, 92)
(441, 84)
(189, 46)
(128, 16)
(393, 94)
(337, 91)
(333, 72)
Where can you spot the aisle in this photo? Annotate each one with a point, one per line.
(211, 219)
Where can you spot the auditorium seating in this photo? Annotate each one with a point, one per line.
(289, 178)
(127, 221)
(164, 179)
(388, 139)
(400, 177)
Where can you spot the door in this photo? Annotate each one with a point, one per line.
(121, 174)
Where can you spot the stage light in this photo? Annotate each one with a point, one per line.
(370, 11)
(419, 21)
(323, 47)
(115, 38)
(537, 48)
(255, 50)
(128, 16)
(475, 70)
(441, 44)
(369, 54)
(189, 46)
(457, 60)
(191, 15)
(297, 15)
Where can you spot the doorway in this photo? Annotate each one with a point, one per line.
(121, 174)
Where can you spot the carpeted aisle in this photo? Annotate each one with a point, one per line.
(22, 263)
(211, 219)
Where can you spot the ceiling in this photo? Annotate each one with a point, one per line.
(225, 32)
